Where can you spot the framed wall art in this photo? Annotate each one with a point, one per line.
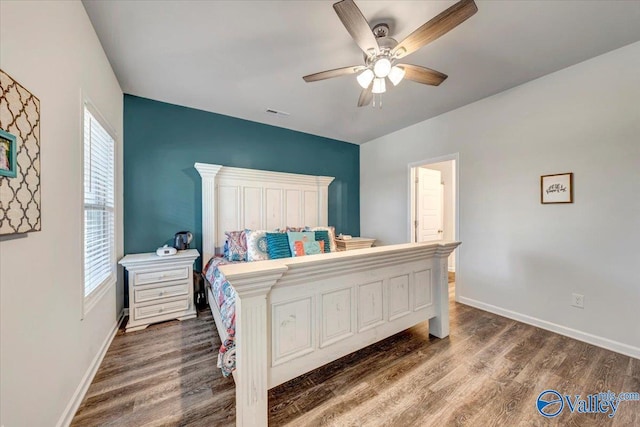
(19, 158)
(557, 188)
(8, 166)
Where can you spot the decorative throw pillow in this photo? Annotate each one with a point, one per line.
(309, 248)
(323, 236)
(237, 241)
(278, 245)
(332, 235)
(299, 240)
(257, 247)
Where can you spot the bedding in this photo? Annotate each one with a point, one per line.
(303, 243)
(236, 245)
(225, 299)
(332, 235)
(323, 236)
(257, 246)
(278, 245)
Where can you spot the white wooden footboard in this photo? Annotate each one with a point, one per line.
(296, 314)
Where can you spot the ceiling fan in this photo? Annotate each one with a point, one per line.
(381, 52)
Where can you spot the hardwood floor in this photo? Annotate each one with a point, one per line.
(488, 372)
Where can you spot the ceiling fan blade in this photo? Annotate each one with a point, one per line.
(436, 27)
(329, 74)
(422, 75)
(366, 96)
(356, 24)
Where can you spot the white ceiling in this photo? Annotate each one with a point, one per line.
(241, 57)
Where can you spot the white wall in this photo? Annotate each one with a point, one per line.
(518, 257)
(46, 349)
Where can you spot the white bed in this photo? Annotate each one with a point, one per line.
(296, 314)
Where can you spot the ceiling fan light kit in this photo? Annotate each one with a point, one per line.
(381, 67)
(365, 78)
(396, 75)
(381, 52)
(379, 86)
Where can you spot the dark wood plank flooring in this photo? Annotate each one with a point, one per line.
(488, 372)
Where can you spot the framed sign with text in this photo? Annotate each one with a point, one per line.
(556, 188)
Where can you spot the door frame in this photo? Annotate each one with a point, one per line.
(456, 196)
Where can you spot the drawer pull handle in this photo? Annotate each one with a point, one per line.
(160, 311)
(161, 293)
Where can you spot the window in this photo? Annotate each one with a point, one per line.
(99, 209)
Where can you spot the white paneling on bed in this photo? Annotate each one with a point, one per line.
(236, 198)
(296, 314)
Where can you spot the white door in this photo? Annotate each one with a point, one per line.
(429, 206)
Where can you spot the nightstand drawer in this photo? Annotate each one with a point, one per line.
(168, 291)
(161, 309)
(161, 275)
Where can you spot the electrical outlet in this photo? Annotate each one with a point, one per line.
(577, 300)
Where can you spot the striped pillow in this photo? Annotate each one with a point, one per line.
(278, 245)
(332, 236)
(323, 235)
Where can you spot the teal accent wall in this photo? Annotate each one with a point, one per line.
(162, 190)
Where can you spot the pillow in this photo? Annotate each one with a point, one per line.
(278, 245)
(257, 248)
(332, 236)
(237, 241)
(304, 243)
(289, 228)
(323, 236)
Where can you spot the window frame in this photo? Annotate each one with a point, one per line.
(89, 301)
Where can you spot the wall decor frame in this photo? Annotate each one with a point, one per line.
(8, 166)
(556, 188)
(20, 187)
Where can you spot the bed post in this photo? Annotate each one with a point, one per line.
(439, 325)
(252, 343)
(209, 221)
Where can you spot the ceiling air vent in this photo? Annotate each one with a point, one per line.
(273, 112)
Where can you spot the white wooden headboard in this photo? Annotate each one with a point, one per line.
(237, 198)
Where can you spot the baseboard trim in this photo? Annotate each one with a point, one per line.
(605, 343)
(76, 399)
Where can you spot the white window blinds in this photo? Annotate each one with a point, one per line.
(99, 212)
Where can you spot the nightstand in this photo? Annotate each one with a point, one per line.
(354, 243)
(160, 288)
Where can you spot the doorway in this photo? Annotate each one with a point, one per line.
(433, 210)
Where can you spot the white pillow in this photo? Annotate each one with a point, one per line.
(257, 249)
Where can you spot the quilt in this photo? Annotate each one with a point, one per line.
(225, 298)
